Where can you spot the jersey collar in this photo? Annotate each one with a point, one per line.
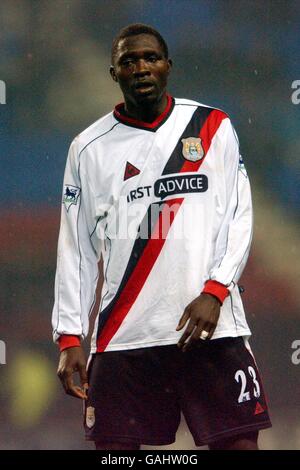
(150, 126)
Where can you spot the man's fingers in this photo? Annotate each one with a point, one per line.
(194, 336)
(68, 382)
(188, 331)
(83, 375)
(210, 330)
(206, 331)
(183, 319)
(83, 380)
(72, 361)
(202, 332)
(74, 391)
(70, 388)
(77, 392)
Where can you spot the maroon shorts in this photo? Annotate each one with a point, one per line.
(136, 396)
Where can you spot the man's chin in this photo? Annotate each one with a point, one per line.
(146, 98)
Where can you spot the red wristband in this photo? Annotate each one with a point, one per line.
(216, 289)
(68, 341)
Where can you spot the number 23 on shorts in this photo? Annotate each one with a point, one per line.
(241, 377)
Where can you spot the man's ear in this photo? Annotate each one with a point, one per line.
(113, 73)
(170, 65)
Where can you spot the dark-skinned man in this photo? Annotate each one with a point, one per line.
(159, 189)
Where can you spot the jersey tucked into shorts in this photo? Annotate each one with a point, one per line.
(137, 395)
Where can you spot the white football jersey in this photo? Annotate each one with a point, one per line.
(168, 205)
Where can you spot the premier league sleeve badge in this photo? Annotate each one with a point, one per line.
(70, 196)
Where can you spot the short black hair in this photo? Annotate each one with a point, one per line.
(134, 30)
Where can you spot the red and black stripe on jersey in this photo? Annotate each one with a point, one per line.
(204, 124)
(119, 114)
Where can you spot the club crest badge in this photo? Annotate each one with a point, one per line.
(71, 195)
(192, 149)
(90, 417)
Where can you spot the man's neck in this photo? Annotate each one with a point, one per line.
(146, 113)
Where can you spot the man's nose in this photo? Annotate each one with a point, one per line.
(141, 68)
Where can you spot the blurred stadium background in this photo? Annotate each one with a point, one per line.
(241, 56)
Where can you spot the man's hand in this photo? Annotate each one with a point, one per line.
(203, 314)
(73, 360)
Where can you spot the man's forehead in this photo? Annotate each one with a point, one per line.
(138, 42)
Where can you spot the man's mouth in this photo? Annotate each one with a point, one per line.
(144, 87)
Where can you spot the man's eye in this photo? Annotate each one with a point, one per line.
(152, 58)
(127, 62)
